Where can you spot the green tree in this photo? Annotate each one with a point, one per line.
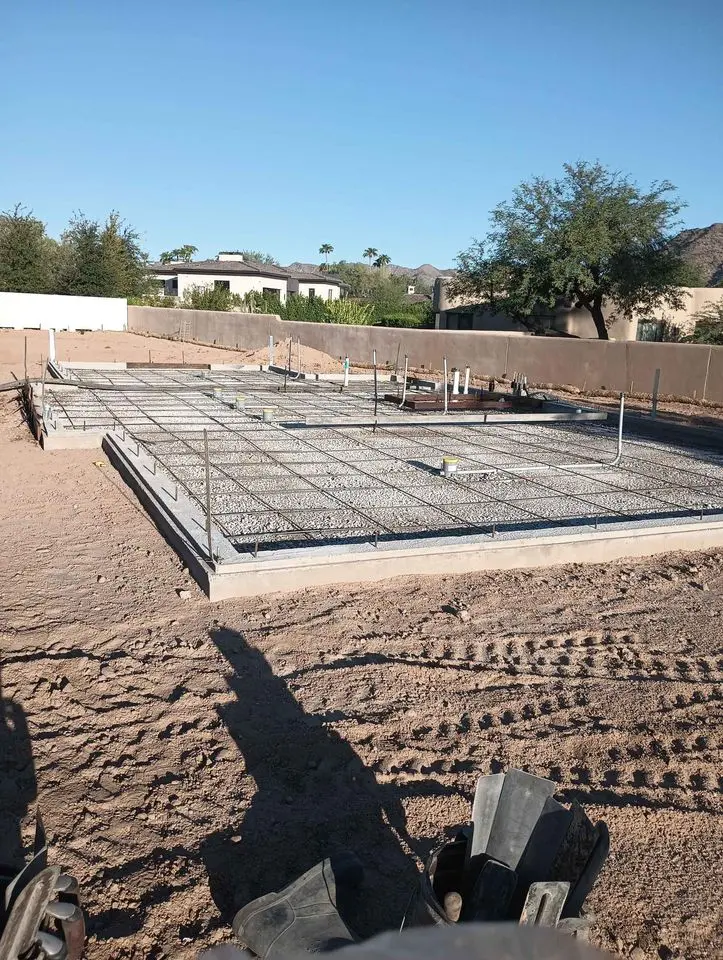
(592, 238)
(102, 261)
(27, 256)
(382, 261)
(370, 253)
(326, 249)
(708, 324)
(257, 256)
(182, 254)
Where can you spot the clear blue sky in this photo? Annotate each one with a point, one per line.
(398, 124)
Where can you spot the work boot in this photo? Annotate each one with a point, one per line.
(303, 917)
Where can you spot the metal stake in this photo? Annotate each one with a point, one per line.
(656, 385)
(445, 385)
(288, 365)
(26, 358)
(376, 385)
(404, 386)
(208, 496)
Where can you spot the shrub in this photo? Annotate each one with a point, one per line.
(349, 311)
(413, 320)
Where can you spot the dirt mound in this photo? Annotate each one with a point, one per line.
(312, 361)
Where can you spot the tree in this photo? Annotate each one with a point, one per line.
(27, 255)
(708, 323)
(382, 260)
(102, 261)
(326, 249)
(182, 254)
(591, 238)
(370, 253)
(257, 256)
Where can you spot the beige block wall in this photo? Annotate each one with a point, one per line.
(688, 370)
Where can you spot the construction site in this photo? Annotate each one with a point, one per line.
(254, 592)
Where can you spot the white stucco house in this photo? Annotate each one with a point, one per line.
(241, 276)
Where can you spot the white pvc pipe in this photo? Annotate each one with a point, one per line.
(446, 386)
(466, 380)
(346, 371)
(271, 350)
(51, 346)
(542, 467)
(455, 382)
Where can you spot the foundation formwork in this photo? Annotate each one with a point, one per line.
(266, 480)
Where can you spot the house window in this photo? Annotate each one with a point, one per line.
(271, 292)
(221, 284)
(312, 293)
(172, 287)
(330, 294)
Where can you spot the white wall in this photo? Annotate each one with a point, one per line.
(237, 284)
(43, 311)
(324, 291)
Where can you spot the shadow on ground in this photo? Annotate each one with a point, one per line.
(314, 796)
(17, 784)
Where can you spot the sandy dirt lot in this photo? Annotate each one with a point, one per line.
(189, 756)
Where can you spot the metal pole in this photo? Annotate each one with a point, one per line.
(346, 372)
(26, 358)
(621, 413)
(404, 387)
(288, 365)
(271, 349)
(396, 362)
(446, 400)
(51, 345)
(208, 496)
(656, 386)
(376, 385)
(298, 348)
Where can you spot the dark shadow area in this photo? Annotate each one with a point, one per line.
(18, 788)
(314, 797)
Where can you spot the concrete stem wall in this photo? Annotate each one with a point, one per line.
(687, 370)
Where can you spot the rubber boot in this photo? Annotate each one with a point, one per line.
(303, 917)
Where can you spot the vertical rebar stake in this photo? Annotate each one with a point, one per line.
(656, 387)
(404, 387)
(376, 384)
(208, 496)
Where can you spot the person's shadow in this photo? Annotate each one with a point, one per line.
(18, 788)
(314, 796)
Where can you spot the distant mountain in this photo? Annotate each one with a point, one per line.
(702, 247)
(426, 271)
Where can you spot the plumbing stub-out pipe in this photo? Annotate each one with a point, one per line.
(346, 371)
(267, 414)
(466, 381)
(455, 381)
(240, 401)
(449, 466)
(543, 467)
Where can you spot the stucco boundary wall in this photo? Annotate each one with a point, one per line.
(687, 370)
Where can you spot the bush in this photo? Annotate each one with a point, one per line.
(349, 311)
(412, 320)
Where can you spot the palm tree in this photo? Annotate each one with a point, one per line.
(326, 249)
(382, 260)
(370, 253)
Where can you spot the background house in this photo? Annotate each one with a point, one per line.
(314, 284)
(232, 272)
(458, 313)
